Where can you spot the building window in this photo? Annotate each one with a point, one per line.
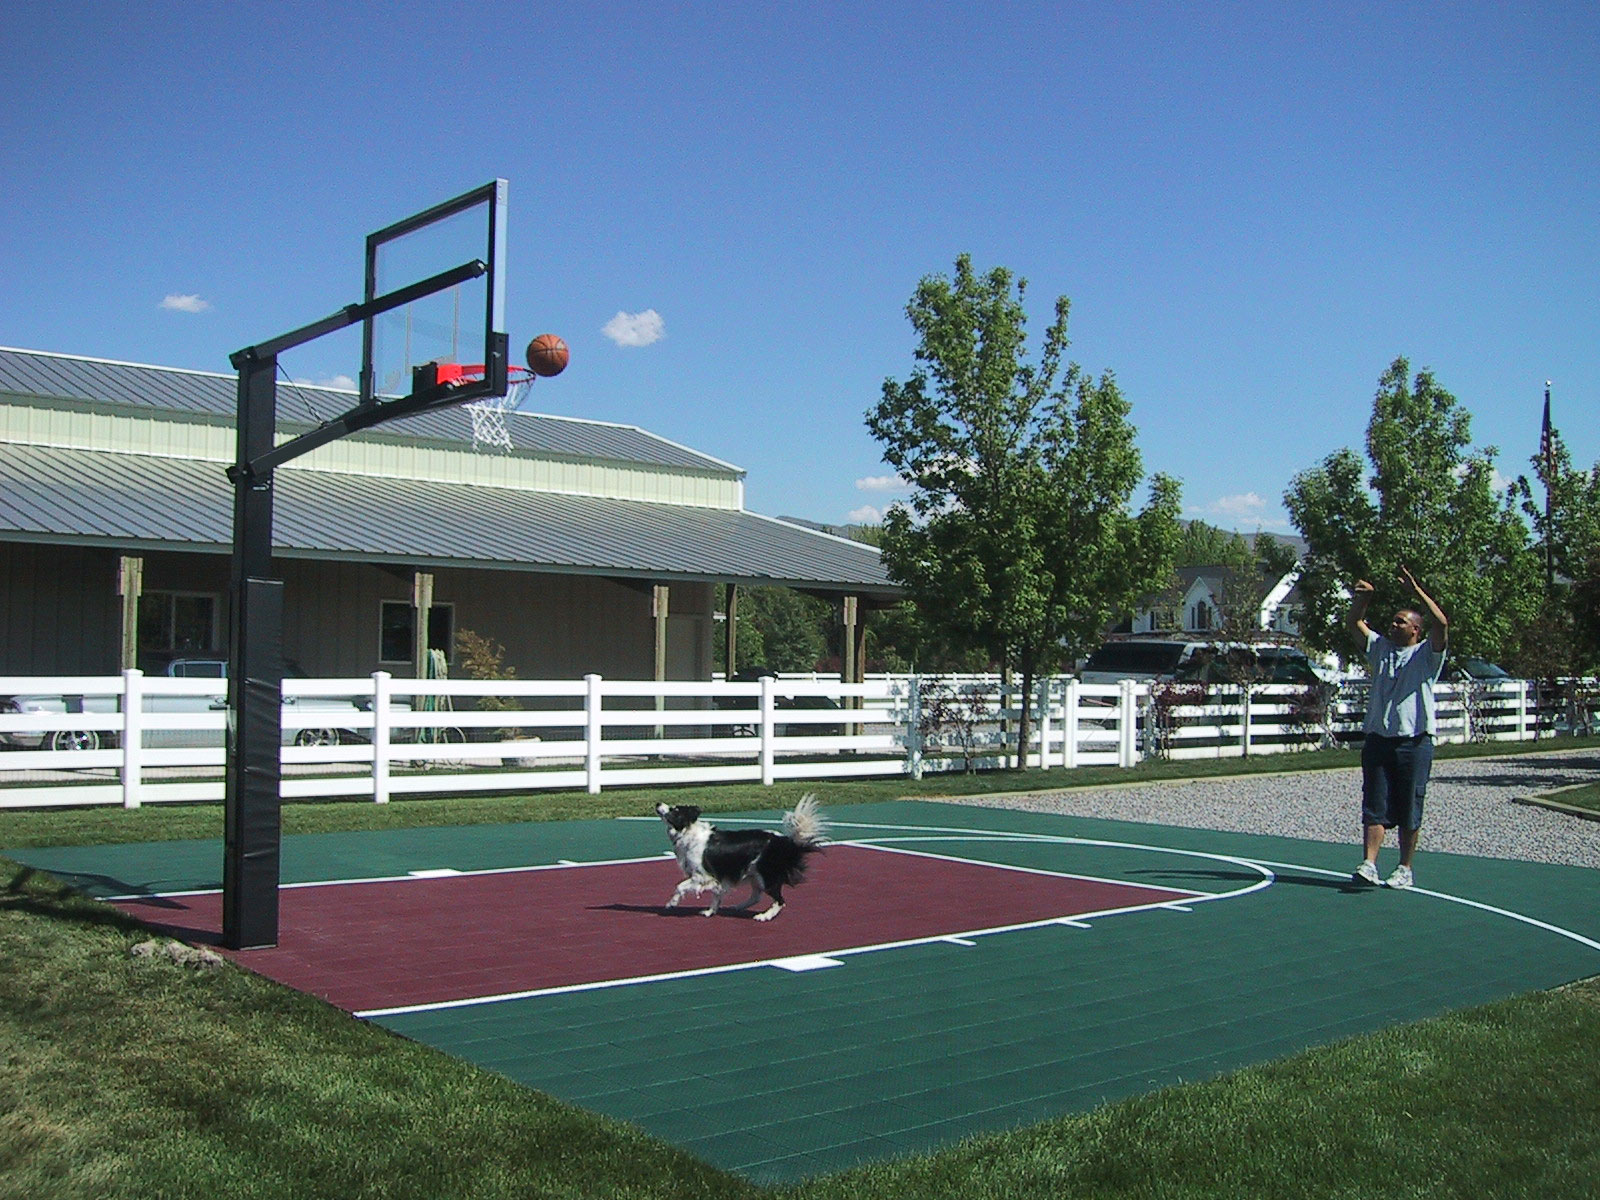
(178, 623)
(397, 626)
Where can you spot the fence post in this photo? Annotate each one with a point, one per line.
(769, 728)
(913, 712)
(1069, 724)
(1244, 722)
(1522, 710)
(1127, 726)
(132, 737)
(1044, 723)
(593, 727)
(382, 734)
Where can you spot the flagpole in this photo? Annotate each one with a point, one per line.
(1547, 453)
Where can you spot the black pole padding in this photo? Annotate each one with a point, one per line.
(253, 779)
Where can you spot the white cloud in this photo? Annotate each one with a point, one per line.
(880, 483)
(343, 383)
(865, 515)
(1244, 504)
(1498, 479)
(1247, 511)
(635, 329)
(188, 304)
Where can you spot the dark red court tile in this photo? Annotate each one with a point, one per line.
(389, 944)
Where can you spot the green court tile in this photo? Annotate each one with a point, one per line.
(898, 1051)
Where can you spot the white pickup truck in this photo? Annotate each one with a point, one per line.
(338, 710)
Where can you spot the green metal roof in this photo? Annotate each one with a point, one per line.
(72, 496)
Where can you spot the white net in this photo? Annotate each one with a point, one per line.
(489, 429)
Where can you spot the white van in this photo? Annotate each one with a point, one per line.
(1162, 660)
(1145, 660)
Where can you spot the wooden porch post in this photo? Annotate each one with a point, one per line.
(130, 586)
(731, 633)
(422, 604)
(659, 597)
(847, 660)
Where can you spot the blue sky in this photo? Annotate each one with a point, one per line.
(1254, 207)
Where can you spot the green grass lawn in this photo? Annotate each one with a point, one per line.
(138, 1077)
(1586, 798)
(95, 826)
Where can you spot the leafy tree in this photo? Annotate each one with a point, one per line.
(1565, 639)
(1017, 541)
(1430, 504)
(1277, 558)
(1203, 545)
(779, 628)
(1585, 615)
(1567, 525)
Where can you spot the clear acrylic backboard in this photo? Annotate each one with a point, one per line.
(463, 323)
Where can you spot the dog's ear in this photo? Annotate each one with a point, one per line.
(690, 812)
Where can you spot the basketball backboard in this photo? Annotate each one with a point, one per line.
(463, 323)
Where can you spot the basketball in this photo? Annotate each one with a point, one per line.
(547, 355)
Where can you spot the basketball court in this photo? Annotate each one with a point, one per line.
(946, 970)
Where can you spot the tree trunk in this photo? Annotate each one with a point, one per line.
(1023, 722)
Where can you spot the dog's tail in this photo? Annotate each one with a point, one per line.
(805, 825)
(784, 859)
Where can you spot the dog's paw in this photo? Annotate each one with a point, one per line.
(673, 903)
(770, 913)
(709, 912)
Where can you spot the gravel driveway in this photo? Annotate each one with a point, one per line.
(1472, 806)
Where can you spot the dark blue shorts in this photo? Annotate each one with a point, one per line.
(1394, 776)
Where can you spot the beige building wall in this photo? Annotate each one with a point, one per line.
(60, 614)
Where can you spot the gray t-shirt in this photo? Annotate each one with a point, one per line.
(1401, 704)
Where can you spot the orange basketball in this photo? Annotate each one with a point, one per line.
(547, 355)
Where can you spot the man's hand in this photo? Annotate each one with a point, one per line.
(1438, 633)
(1360, 600)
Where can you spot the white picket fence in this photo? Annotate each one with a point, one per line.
(161, 740)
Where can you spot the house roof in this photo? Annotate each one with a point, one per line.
(136, 501)
(212, 398)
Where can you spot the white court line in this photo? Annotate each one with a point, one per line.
(1263, 868)
(1488, 908)
(884, 844)
(1079, 921)
(1076, 921)
(564, 864)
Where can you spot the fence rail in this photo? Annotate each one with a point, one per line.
(131, 739)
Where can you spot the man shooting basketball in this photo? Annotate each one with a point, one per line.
(1397, 753)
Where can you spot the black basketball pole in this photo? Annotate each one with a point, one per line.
(252, 819)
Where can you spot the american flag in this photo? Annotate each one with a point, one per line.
(1547, 437)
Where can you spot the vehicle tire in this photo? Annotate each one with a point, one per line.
(317, 737)
(74, 739)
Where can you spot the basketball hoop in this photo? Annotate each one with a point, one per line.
(489, 430)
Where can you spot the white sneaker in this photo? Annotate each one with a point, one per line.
(1401, 878)
(1366, 873)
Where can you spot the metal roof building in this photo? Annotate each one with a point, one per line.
(101, 460)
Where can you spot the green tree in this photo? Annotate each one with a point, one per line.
(1564, 640)
(1203, 545)
(1017, 540)
(1428, 503)
(780, 629)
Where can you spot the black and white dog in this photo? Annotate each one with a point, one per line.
(719, 860)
